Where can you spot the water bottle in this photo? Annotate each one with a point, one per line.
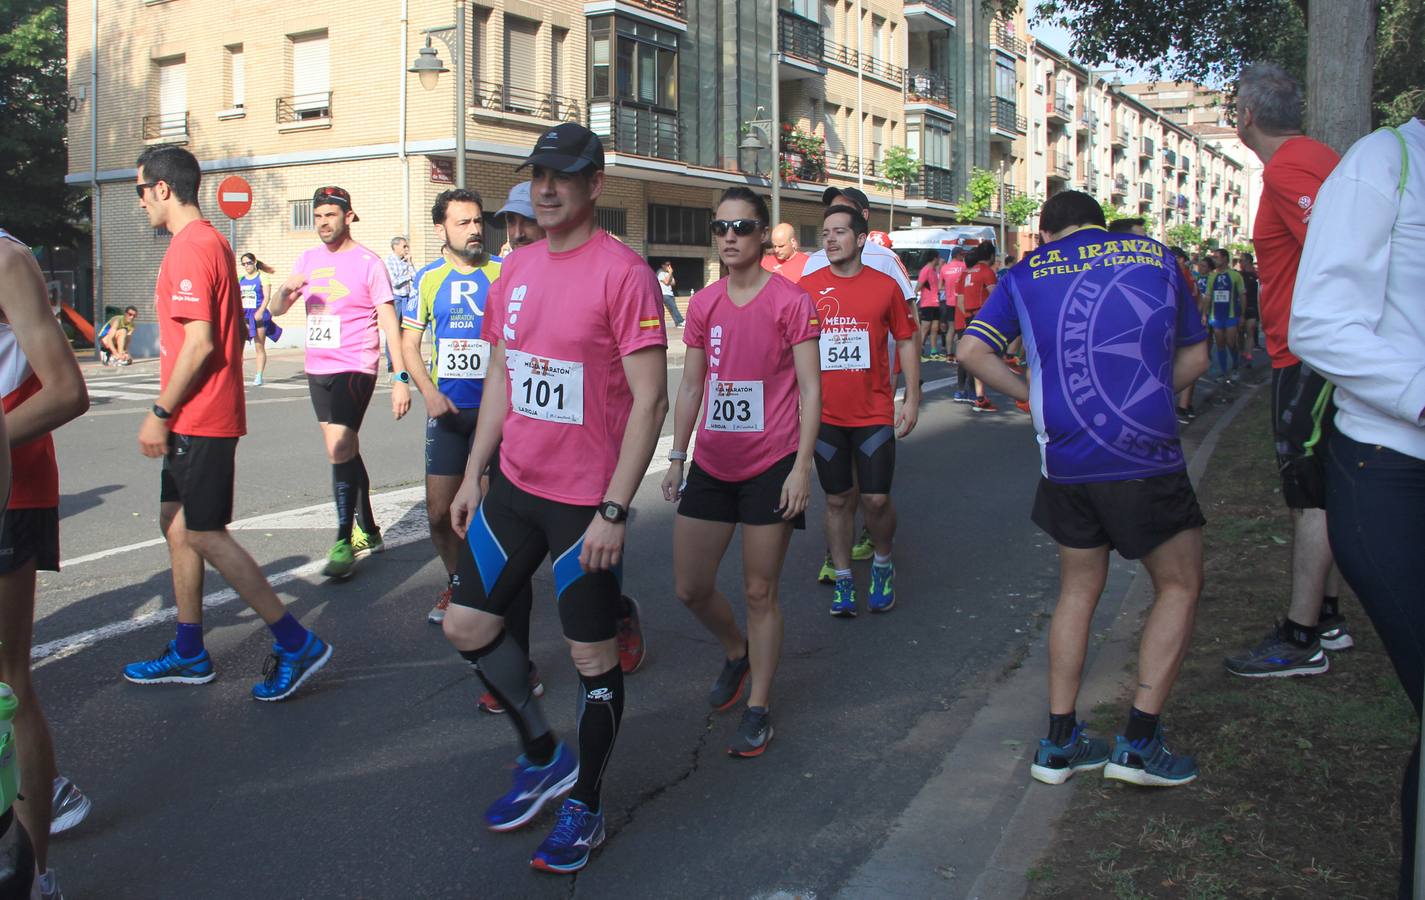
(17, 858)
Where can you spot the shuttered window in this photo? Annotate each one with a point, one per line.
(237, 77)
(521, 78)
(311, 75)
(172, 98)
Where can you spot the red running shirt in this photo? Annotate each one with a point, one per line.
(1290, 181)
(859, 317)
(198, 281)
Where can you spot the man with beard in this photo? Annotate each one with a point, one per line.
(349, 304)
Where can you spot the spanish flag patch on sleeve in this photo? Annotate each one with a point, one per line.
(649, 323)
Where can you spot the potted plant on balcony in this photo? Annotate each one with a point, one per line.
(803, 155)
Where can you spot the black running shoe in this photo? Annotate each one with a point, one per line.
(727, 690)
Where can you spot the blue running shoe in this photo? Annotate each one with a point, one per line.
(1149, 763)
(170, 668)
(576, 834)
(844, 603)
(1054, 764)
(534, 785)
(964, 397)
(883, 588)
(285, 672)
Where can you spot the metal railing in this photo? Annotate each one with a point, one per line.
(1003, 37)
(166, 127)
(798, 166)
(1187, 164)
(845, 163)
(932, 184)
(637, 130)
(1120, 137)
(1004, 115)
(923, 86)
(675, 8)
(1145, 190)
(304, 107)
(541, 105)
(1170, 159)
(1059, 107)
(1120, 184)
(1086, 120)
(940, 6)
(1146, 148)
(1059, 166)
(845, 56)
(800, 37)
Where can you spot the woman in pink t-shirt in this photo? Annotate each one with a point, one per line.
(930, 295)
(752, 353)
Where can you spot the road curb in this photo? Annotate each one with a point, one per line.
(980, 823)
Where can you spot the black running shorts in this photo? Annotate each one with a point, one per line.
(342, 397)
(509, 537)
(1132, 517)
(1303, 476)
(448, 441)
(930, 314)
(756, 501)
(198, 472)
(848, 457)
(29, 534)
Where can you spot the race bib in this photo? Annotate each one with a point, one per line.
(845, 351)
(1222, 298)
(249, 298)
(324, 332)
(548, 389)
(462, 358)
(734, 406)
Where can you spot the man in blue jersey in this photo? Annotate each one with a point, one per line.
(1111, 333)
(1225, 294)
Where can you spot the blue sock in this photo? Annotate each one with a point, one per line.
(189, 641)
(1221, 360)
(1236, 358)
(289, 633)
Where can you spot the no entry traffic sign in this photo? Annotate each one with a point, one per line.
(234, 197)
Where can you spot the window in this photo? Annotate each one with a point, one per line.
(878, 137)
(683, 225)
(479, 25)
(646, 64)
(809, 237)
(237, 77)
(558, 40)
(300, 215)
(172, 98)
(599, 58)
(311, 76)
(1005, 80)
(614, 221)
(935, 139)
(878, 37)
(521, 87)
(833, 130)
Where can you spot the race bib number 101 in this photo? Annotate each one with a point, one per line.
(845, 350)
(544, 388)
(324, 332)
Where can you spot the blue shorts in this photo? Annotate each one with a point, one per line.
(274, 331)
(1223, 324)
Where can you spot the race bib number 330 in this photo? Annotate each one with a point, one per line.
(544, 388)
(462, 358)
(845, 350)
(324, 332)
(734, 406)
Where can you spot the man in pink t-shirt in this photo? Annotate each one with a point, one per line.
(573, 402)
(348, 298)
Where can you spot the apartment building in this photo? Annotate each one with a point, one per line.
(1182, 102)
(292, 99)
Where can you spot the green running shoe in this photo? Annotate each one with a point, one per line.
(827, 575)
(863, 549)
(340, 561)
(363, 544)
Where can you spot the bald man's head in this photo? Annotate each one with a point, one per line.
(784, 242)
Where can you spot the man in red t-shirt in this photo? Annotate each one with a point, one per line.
(194, 427)
(786, 258)
(861, 309)
(42, 390)
(1269, 121)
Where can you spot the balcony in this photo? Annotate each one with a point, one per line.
(1216, 182)
(1002, 37)
(166, 128)
(1145, 191)
(846, 164)
(1005, 121)
(1120, 138)
(1086, 119)
(1120, 185)
(932, 184)
(930, 88)
(1182, 202)
(673, 8)
(800, 38)
(636, 130)
(1146, 148)
(798, 167)
(501, 98)
(1058, 167)
(305, 109)
(929, 15)
(1170, 160)
(850, 59)
(1058, 109)
(1187, 164)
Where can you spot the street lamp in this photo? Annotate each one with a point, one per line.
(751, 147)
(429, 67)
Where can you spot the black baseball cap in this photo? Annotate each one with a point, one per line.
(335, 196)
(856, 198)
(567, 148)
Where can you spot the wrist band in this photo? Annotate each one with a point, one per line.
(677, 456)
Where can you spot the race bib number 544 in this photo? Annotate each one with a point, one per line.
(845, 350)
(544, 388)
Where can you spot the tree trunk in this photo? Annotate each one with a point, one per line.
(1340, 56)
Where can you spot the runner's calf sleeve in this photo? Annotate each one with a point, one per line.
(600, 712)
(346, 488)
(363, 508)
(504, 668)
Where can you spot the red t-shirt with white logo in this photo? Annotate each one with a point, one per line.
(791, 269)
(1290, 181)
(750, 418)
(859, 317)
(567, 320)
(198, 281)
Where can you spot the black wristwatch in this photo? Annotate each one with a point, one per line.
(161, 413)
(613, 512)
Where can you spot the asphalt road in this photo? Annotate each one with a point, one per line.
(370, 782)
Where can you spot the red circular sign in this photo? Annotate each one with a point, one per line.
(234, 197)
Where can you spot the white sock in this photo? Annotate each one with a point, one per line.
(881, 560)
(842, 573)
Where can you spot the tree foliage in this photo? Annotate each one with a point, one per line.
(35, 203)
(899, 167)
(979, 195)
(1020, 207)
(1185, 235)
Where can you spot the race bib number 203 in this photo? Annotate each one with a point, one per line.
(545, 388)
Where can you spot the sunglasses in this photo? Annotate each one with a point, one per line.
(740, 227)
(140, 188)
